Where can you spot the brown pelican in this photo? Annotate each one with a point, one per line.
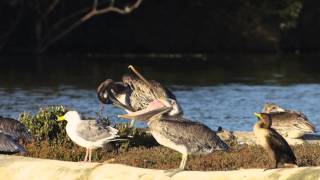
(182, 135)
(277, 147)
(136, 93)
(11, 131)
(88, 133)
(288, 123)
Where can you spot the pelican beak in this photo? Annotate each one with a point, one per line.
(157, 107)
(258, 115)
(117, 103)
(60, 118)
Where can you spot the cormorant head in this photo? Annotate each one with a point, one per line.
(272, 108)
(109, 91)
(264, 119)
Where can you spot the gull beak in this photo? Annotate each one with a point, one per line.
(156, 107)
(258, 115)
(60, 118)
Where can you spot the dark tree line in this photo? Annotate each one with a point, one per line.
(159, 26)
(48, 21)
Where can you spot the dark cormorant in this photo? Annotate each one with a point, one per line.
(276, 146)
(11, 131)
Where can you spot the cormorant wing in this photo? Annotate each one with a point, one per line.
(280, 145)
(9, 145)
(14, 128)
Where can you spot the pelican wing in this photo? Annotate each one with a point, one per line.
(195, 136)
(92, 131)
(292, 120)
(142, 94)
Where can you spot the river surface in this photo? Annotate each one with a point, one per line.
(218, 90)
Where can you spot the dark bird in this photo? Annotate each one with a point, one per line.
(182, 135)
(11, 131)
(136, 93)
(288, 123)
(276, 146)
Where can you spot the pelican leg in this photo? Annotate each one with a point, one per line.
(131, 123)
(183, 162)
(90, 153)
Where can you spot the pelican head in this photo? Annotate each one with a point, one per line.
(108, 91)
(176, 108)
(272, 108)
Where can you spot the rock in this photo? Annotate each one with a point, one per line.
(18, 167)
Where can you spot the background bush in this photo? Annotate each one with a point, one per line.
(43, 125)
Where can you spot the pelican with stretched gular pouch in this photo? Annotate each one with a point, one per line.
(135, 93)
(182, 135)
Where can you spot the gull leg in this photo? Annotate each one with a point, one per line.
(90, 153)
(86, 156)
(183, 162)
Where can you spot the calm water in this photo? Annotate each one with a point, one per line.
(216, 90)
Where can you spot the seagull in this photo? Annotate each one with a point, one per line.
(88, 133)
(11, 131)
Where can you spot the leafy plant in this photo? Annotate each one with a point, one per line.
(43, 125)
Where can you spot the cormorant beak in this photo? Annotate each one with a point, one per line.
(156, 107)
(60, 118)
(258, 115)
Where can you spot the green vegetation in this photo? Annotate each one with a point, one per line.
(43, 125)
(160, 157)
